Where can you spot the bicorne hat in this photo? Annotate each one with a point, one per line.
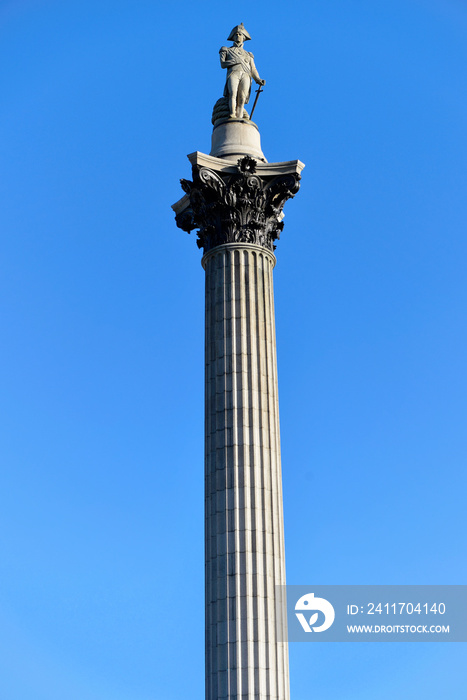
(238, 28)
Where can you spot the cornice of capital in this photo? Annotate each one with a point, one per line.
(239, 202)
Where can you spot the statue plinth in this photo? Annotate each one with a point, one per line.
(233, 138)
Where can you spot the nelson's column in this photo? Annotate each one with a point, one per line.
(235, 200)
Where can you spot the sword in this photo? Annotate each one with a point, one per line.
(258, 93)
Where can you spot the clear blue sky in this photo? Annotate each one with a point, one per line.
(102, 357)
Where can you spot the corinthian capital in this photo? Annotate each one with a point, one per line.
(240, 203)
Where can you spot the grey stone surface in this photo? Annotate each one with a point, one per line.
(244, 539)
(234, 138)
(230, 165)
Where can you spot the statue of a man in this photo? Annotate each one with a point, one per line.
(240, 70)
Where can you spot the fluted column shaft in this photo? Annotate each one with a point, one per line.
(244, 540)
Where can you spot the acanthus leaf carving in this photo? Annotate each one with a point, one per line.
(236, 208)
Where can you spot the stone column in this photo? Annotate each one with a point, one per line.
(244, 521)
(237, 207)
